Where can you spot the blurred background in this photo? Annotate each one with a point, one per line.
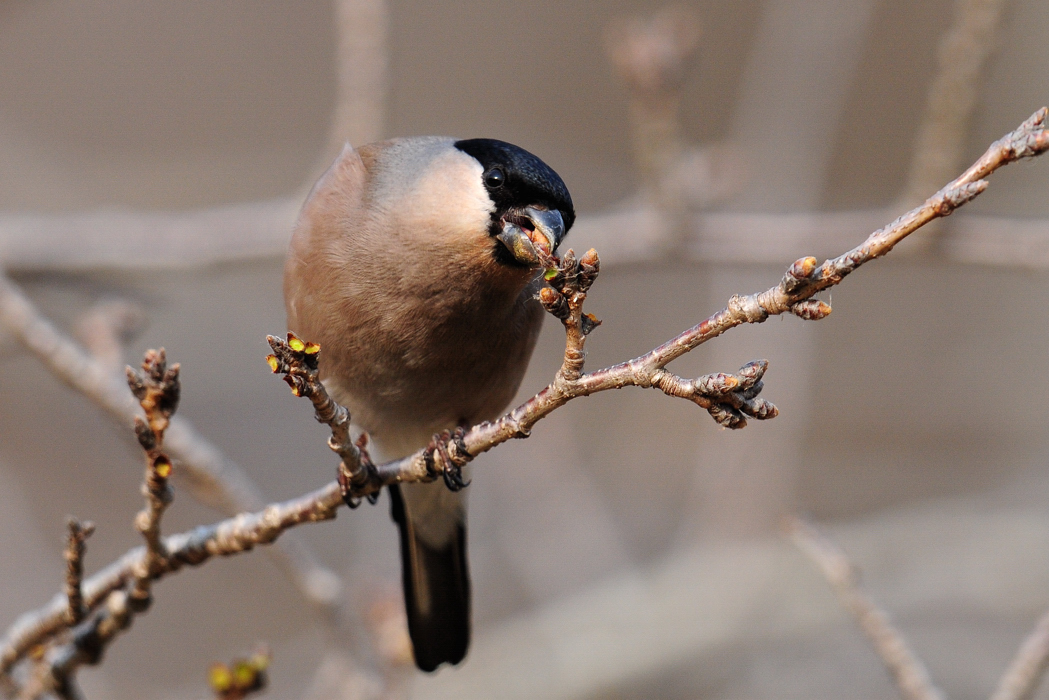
(153, 155)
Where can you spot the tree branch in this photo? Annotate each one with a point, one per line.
(210, 476)
(74, 555)
(911, 676)
(802, 281)
(157, 390)
(962, 56)
(652, 56)
(361, 66)
(569, 281)
(1025, 672)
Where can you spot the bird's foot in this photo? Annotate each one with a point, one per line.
(349, 481)
(451, 464)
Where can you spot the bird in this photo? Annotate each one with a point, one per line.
(415, 265)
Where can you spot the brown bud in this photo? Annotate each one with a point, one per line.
(589, 267)
(171, 375)
(278, 345)
(554, 302)
(146, 437)
(171, 391)
(568, 260)
(714, 385)
(752, 372)
(798, 273)
(811, 309)
(154, 364)
(760, 409)
(136, 384)
(727, 417)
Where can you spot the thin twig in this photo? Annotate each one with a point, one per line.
(911, 676)
(74, 555)
(803, 280)
(652, 56)
(1025, 672)
(106, 328)
(297, 360)
(158, 391)
(210, 477)
(231, 536)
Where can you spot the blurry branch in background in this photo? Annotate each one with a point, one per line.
(109, 597)
(210, 477)
(654, 56)
(962, 58)
(121, 239)
(1019, 682)
(911, 676)
(361, 76)
(1028, 667)
(678, 180)
(106, 328)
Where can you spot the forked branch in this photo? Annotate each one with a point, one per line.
(729, 398)
(802, 281)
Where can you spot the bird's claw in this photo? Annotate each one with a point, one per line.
(451, 467)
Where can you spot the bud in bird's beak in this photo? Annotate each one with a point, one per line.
(548, 230)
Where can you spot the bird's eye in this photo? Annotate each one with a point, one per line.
(495, 178)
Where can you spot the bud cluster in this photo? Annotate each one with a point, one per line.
(568, 281)
(730, 398)
(158, 391)
(297, 359)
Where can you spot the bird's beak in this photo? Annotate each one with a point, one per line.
(548, 230)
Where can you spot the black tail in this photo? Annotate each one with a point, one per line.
(436, 590)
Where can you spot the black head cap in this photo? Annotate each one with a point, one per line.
(516, 178)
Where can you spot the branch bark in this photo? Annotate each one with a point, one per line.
(802, 282)
(210, 477)
(570, 280)
(911, 677)
(74, 555)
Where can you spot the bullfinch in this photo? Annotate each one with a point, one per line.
(414, 265)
